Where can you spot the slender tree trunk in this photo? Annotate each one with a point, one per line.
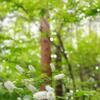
(59, 87)
(45, 51)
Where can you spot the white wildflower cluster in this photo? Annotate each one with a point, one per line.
(70, 11)
(49, 88)
(44, 95)
(65, 1)
(48, 94)
(31, 68)
(40, 95)
(59, 76)
(31, 88)
(52, 67)
(19, 68)
(27, 97)
(19, 98)
(9, 86)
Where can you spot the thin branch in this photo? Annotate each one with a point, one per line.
(66, 57)
(54, 44)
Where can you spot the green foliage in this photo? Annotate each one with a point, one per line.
(19, 45)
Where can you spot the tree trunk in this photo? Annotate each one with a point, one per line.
(45, 51)
(59, 87)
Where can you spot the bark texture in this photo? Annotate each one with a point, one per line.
(45, 50)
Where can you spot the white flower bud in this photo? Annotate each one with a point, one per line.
(65, 1)
(44, 95)
(26, 97)
(9, 86)
(52, 67)
(20, 69)
(19, 98)
(49, 88)
(31, 88)
(70, 11)
(31, 68)
(40, 95)
(59, 76)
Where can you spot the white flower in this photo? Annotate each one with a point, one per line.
(20, 69)
(70, 11)
(26, 97)
(44, 95)
(59, 76)
(52, 67)
(31, 88)
(1, 68)
(65, 1)
(31, 68)
(9, 86)
(40, 95)
(19, 98)
(49, 88)
(71, 91)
